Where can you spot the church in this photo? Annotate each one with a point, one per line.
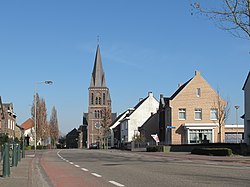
(96, 122)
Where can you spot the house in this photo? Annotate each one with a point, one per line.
(28, 131)
(115, 134)
(136, 117)
(1, 116)
(246, 116)
(83, 129)
(72, 139)
(19, 132)
(8, 127)
(193, 114)
(150, 127)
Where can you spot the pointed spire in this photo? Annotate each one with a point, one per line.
(98, 76)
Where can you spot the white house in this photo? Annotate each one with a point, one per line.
(135, 117)
(114, 140)
(28, 127)
(246, 89)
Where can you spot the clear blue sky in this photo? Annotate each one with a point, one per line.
(145, 46)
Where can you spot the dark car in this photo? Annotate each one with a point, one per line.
(94, 146)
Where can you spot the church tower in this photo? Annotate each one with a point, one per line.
(99, 109)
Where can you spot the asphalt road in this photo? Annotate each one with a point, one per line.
(122, 168)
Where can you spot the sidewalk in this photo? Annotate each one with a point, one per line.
(28, 173)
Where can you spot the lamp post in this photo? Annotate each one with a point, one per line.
(236, 107)
(43, 82)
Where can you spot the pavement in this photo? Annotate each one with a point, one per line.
(41, 170)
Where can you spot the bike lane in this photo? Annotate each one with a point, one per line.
(64, 174)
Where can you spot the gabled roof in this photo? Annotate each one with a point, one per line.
(136, 106)
(180, 89)
(98, 76)
(28, 124)
(118, 118)
(246, 81)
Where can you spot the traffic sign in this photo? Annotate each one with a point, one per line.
(171, 127)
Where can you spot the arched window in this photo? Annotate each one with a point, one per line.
(96, 100)
(98, 114)
(100, 100)
(103, 98)
(95, 114)
(92, 98)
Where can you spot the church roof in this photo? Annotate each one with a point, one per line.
(98, 76)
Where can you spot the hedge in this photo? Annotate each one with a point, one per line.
(212, 151)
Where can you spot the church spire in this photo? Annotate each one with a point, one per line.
(98, 76)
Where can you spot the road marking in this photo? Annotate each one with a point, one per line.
(66, 160)
(116, 183)
(71, 162)
(84, 169)
(96, 175)
(77, 166)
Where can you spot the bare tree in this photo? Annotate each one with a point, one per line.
(106, 121)
(231, 15)
(54, 129)
(41, 118)
(222, 110)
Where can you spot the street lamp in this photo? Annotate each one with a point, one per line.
(236, 107)
(43, 82)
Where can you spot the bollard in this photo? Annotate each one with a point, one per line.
(14, 156)
(6, 160)
(18, 153)
(23, 153)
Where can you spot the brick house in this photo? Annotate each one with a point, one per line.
(8, 127)
(191, 114)
(1, 115)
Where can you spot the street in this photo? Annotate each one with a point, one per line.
(122, 168)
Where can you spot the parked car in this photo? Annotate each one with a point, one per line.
(94, 146)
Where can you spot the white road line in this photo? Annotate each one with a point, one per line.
(84, 169)
(71, 162)
(96, 175)
(116, 183)
(77, 166)
(66, 160)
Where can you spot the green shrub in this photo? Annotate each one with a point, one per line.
(212, 151)
(157, 148)
(28, 147)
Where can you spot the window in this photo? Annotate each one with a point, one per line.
(95, 114)
(198, 92)
(96, 101)
(198, 114)
(100, 101)
(103, 98)
(214, 114)
(92, 98)
(182, 113)
(200, 136)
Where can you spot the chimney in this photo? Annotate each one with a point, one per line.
(150, 94)
(161, 96)
(197, 73)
